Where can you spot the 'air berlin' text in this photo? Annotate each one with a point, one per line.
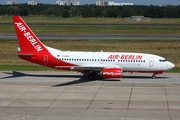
(29, 37)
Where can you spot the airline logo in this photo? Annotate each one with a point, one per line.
(29, 37)
(125, 57)
(112, 73)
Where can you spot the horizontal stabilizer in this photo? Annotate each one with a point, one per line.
(27, 55)
(11, 53)
(20, 54)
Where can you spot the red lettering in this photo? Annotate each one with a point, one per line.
(123, 56)
(110, 57)
(114, 57)
(139, 57)
(131, 57)
(126, 57)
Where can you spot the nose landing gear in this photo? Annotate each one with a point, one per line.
(156, 73)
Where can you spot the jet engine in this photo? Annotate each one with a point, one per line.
(112, 73)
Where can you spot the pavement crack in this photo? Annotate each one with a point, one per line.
(129, 100)
(91, 101)
(21, 96)
(51, 103)
(167, 101)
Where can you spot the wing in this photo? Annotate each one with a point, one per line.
(88, 67)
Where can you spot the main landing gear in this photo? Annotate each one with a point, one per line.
(153, 76)
(91, 75)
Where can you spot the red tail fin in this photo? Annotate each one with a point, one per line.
(28, 41)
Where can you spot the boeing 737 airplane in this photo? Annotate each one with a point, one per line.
(109, 64)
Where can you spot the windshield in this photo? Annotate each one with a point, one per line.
(162, 60)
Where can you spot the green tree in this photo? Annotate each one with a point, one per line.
(139, 11)
(115, 12)
(11, 10)
(105, 12)
(66, 14)
(74, 11)
(86, 12)
(2, 11)
(128, 11)
(171, 11)
(24, 11)
(152, 11)
(50, 11)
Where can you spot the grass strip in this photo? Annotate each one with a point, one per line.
(98, 29)
(23, 68)
(174, 70)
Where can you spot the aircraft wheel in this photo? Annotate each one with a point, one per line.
(91, 76)
(153, 76)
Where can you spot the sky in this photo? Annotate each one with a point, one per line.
(136, 2)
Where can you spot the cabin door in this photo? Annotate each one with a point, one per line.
(151, 62)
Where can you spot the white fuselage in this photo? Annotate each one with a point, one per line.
(128, 61)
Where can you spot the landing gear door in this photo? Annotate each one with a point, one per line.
(45, 59)
(151, 62)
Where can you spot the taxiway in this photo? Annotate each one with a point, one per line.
(70, 96)
(100, 36)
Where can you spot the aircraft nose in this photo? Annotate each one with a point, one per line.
(171, 65)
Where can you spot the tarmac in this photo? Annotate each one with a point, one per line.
(70, 96)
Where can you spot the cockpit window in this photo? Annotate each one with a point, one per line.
(162, 60)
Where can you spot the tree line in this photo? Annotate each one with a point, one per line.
(92, 11)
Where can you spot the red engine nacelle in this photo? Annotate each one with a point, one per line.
(112, 73)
